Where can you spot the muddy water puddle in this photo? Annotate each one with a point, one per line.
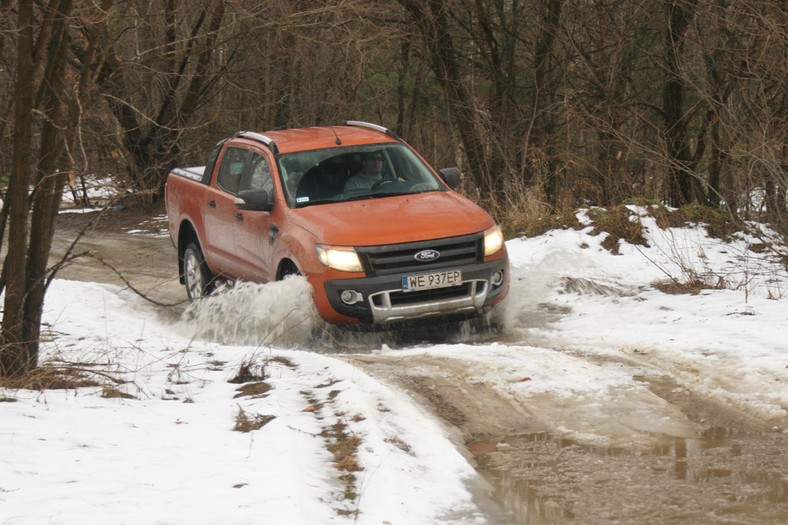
(724, 476)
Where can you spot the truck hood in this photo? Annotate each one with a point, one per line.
(392, 220)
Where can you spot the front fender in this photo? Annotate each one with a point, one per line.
(299, 247)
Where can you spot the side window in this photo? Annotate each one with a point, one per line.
(259, 175)
(231, 169)
(208, 173)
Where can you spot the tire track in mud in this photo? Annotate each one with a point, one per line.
(447, 387)
(732, 470)
(714, 401)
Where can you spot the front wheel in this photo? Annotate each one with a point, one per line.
(288, 269)
(196, 276)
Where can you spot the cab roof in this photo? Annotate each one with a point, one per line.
(352, 133)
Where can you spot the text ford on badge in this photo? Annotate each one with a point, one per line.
(427, 255)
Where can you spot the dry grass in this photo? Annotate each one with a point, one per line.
(676, 287)
(692, 284)
(110, 392)
(518, 207)
(526, 216)
(282, 361)
(542, 224)
(245, 422)
(50, 377)
(397, 442)
(253, 390)
(718, 223)
(618, 223)
(344, 448)
(250, 371)
(522, 208)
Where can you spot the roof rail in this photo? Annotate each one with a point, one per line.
(375, 127)
(259, 137)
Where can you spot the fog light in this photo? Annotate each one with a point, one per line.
(351, 297)
(497, 278)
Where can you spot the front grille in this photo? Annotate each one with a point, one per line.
(438, 294)
(399, 258)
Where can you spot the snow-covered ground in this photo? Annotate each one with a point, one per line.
(343, 447)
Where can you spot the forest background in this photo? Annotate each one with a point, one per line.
(546, 105)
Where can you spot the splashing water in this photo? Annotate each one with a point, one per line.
(277, 313)
(283, 314)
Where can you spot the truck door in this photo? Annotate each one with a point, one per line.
(221, 214)
(255, 232)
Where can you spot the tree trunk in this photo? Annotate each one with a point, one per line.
(15, 358)
(49, 189)
(404, 59)
(26, 262)
(544, 100)
(431, 17)
(679, 14)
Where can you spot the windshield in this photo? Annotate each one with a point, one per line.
(352, 173)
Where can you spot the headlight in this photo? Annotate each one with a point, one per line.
(493, 240)
(339, 258)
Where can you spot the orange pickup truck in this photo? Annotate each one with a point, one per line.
(379, 234)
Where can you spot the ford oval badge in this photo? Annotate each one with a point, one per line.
(427, 255)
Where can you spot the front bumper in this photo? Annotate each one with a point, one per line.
(383, 301)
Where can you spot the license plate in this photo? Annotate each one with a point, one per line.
(429, 281)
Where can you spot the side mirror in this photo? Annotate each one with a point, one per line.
(451, 176)
(253, 200)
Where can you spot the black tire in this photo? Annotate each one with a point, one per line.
(197, 277)
(288, 269)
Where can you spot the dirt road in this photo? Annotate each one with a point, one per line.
(730, 469)
(127, 248)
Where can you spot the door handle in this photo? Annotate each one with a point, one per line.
(212, 203)
(239, 217)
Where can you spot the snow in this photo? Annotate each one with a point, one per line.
(97, 188)
(169, 453)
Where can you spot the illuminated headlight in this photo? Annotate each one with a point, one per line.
(339, 258)
(493, 240)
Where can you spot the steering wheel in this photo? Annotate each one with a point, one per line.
(382, 182)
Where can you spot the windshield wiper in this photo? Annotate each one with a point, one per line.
(376, 195)
(304, 204)
(391, 193)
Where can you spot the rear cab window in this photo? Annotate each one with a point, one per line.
(232, 169)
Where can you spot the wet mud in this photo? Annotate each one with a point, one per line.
(727, 474)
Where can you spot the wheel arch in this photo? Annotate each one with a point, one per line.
(285, 267)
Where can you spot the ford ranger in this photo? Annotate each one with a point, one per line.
(378, 233)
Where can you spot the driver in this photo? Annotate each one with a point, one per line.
(371, 172)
